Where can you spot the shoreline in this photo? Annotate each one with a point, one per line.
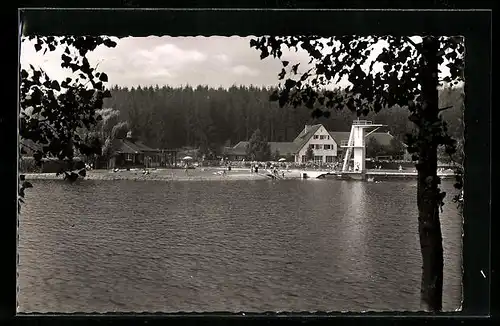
(152, 176)
(213, 174)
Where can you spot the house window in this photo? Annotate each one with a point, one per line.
(322, 137)
(311, 146)
(128, 157)
(330, 159)
(317, 146)
(315, 137)
(318, 158)
(327, 146)
(304, 159)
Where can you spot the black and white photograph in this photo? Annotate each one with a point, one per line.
(250, 174)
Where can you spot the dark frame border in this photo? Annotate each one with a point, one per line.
(474, 25)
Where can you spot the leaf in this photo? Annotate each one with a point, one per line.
(24, 74)
(109, 43)
(38, 47)
(289, 83)
(264, 54)
(282, 74)
(103, 77)
(65, 58)
(285, 63)
(55, 85)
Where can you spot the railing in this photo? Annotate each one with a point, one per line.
(362, 122)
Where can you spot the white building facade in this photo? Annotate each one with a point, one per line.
(322, 143)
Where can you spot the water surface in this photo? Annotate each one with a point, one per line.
(288, 245)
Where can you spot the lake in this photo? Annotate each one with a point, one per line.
(228, 245)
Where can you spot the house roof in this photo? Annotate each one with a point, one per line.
(305, 135)
(284, 148)
(383, 138)
(127, 146)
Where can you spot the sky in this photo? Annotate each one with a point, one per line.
(216, 61)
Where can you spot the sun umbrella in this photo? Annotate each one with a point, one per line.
(187, 158)
(282, 159)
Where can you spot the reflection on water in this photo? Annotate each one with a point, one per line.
(284, 245)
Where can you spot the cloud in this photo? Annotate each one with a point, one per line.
(244, 70)
(223, 58)
(170, 55)
(174, 61)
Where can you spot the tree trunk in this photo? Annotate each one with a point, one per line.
(428, 200)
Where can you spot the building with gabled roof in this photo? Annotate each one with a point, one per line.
(131, 152)
(325, 145)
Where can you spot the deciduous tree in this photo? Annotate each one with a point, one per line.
(309, 154)
(374, 148)
(52, 111)
(258, 148)
(405, 73)
(120, 130)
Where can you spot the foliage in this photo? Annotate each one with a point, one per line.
(309, 154)
(120, 130)
(109, 148)
(210, 118)
(28, 165)
(396, 148)
(276, 155)
(396, 82)
(110, 118)
(374, 148)
(51, 111)
(91, 145)
(405, 73)
(258, 148)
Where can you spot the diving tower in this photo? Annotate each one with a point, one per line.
(355, 146)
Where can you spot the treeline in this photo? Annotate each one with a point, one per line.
(208, 118)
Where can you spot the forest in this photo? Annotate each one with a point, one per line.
(209, 118)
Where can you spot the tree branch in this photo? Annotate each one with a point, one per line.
(445, 108)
